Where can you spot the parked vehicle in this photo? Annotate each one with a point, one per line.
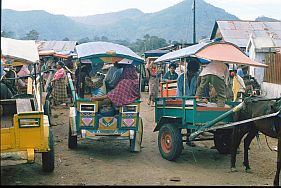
(86, 120)
(174, 115)
(25, 130)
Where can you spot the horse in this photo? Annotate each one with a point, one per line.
(271, 127)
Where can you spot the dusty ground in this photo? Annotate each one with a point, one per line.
(107, 162)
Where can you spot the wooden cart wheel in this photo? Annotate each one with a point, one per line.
(135, 144)
(72, 140)
(48, 158)
(48, 111)
(222, 140)
(170, 142)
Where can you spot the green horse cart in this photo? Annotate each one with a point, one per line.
(180, 119)
(86, 120)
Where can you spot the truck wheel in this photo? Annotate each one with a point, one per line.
(48, 158)
(72, 140)
(135, 144)
(170, 142)
(222, 140)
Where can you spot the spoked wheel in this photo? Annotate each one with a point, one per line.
(72, 140)
(135, 144)
(48, 158)
(170, 142)
(222, 140)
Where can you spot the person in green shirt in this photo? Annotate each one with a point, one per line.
(171, 74)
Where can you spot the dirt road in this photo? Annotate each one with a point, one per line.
(109, 162)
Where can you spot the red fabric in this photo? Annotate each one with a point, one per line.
(125, 92)
(59, 74)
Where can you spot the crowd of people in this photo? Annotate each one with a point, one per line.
(117, 84)
(214, 82)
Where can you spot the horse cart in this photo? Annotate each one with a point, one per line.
(25, 129)
(89, 119)
(174, 115)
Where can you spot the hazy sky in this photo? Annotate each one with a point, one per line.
(243, 9)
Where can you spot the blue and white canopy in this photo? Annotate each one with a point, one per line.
(106, 52)
(184, 52)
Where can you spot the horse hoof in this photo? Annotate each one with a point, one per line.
(249, 171)
(233, 170)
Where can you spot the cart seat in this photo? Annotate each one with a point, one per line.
(189, 103)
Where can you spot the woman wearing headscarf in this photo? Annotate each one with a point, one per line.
(59, 85)
(126, 90)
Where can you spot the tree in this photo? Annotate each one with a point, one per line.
(84, 40)
(8, 34)
(65, 39)
(32, 35)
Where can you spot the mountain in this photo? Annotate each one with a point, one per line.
(265, 19)
(49, 26)
(173, 23)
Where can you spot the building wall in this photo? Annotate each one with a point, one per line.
(269, 90)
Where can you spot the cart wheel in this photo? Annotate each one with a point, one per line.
(135, 144)
(170, 142)
(72, 140)
(48, 111)
(222, 140)
(48, 158)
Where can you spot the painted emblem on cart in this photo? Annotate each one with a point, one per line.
(128, 122)
(87, 121)
(107, 122)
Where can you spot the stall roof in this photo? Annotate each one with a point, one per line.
(155, 53)
(213, 51)
(20, 50)
(66, 48)
(107, 52)
(239, 31)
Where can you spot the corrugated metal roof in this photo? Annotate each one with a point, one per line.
(239, 31)
(57, 46)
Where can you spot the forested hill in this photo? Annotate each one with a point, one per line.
(173, 23)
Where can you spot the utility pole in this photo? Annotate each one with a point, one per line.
(194, 31)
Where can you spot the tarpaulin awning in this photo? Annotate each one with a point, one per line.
(226, 52)
(214, 51)
(24, 51)
(181, 53)
(108, 53)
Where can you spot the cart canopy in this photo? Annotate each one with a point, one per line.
(213, 51)
(20, 51)
(106, 52)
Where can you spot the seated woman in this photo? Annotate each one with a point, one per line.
(126, 90)
(95, 80)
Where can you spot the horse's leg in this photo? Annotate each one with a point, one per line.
(237, 136)
(276, 179)
(247, 141)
